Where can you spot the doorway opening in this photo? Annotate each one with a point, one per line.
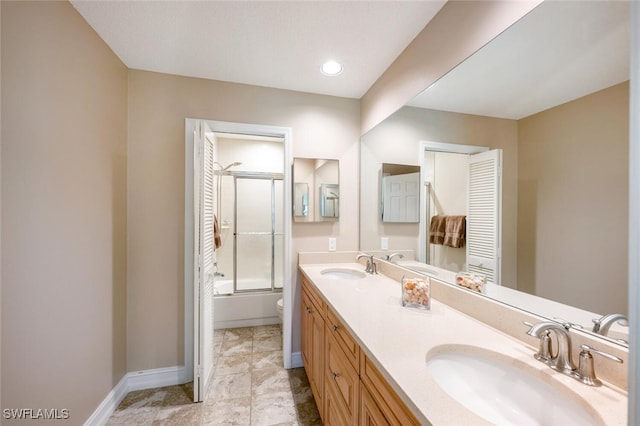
(462, 181)
(236, 230)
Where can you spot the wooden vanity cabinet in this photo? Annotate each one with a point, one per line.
(312, 323)
(386, 401)
(341, 380)
(347, 387)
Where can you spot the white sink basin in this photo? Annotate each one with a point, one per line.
(343, 274)
(505, 391)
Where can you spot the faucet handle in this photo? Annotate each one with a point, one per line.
(586, 372)
(544, 353)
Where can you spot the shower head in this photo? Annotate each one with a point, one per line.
(223, 168)
(235, 163)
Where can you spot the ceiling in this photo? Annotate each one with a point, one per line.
(280, 44)
(559, 52)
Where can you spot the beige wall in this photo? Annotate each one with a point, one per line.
(323, 127)
(573, 202)
(397, 140)
(64, 110)
(456, 32)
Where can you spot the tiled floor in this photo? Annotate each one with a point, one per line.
(250, 387)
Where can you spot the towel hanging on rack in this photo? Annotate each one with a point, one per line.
(455, 231)
(437, 229)
(217, 241)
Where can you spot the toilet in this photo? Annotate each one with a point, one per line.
(280, 306)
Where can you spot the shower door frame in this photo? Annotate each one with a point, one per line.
(273, 177)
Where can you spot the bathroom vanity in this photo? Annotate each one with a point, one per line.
(372, 361)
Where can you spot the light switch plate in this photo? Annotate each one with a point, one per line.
(332, 244)
(384, 243)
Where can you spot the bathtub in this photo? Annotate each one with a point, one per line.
(244, 309)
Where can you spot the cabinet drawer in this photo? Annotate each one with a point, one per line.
(342, 382)
(343, 338)
(316, 300)
(385, 398)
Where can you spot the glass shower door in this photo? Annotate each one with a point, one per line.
(255, 225)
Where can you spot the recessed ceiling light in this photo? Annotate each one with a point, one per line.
(331, 68)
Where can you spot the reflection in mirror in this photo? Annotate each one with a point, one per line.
(316, 190)
(551, 92)
(300, 199)
(400, 193)
(329, 199)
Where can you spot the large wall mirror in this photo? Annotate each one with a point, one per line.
(316, 190)
(552, 94)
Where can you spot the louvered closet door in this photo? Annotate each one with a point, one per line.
(204, 238)
(483, 214)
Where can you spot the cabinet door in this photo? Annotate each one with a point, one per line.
(342, 380)
(313, 348)
(316, 342)
(334, 414)
(370, 414)
(304, 331)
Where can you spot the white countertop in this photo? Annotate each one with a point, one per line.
(398, 339)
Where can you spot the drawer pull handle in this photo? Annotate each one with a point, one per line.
(334, 375)
(335, 327)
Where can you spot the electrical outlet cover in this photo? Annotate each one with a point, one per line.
(384, 243)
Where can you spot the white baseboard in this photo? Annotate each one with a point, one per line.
(101, 415)
(156, 378)
(296, 360)
(133, 381)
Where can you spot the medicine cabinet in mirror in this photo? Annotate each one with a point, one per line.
(316, 190)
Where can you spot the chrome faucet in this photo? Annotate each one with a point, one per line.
(603, 324)
(562, 360)
(392, 255)
(372, 267)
